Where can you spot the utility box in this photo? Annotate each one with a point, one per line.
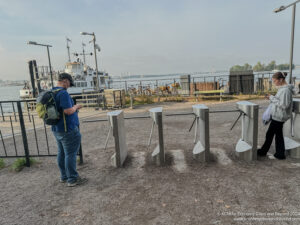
(263, 84)
(115, 98)
(241, 82)
(185, 83)
(204, 86)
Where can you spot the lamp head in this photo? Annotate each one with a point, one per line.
(97, 47)
(279, 9)
(83, 33)
(31, 43)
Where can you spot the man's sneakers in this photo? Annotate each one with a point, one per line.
(79, 181)
(62, 181)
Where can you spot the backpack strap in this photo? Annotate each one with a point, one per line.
(55, 92)
(65, 122)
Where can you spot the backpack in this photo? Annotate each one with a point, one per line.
(46, 107)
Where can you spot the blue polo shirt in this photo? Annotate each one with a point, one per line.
(64, 101)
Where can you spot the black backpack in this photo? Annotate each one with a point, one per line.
(46, 107)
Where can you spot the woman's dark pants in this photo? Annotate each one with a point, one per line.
(275, 128)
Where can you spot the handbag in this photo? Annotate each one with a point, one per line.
(266, 117)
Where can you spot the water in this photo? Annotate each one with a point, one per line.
(9, 93)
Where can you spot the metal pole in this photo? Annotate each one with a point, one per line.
(160, 139)
(80, 153)
(1, 136)
(13, 106)
(83, 52)
(94, 40)
(292, 43)
(50, 66)
(68, 48)
(3, 119)
(13, 133)
(24, 135)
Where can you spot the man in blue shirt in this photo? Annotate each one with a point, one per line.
(66, 132)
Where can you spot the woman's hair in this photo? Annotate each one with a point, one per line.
(279, 75)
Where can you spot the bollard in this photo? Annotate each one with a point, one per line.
(201, 151)
(291, 131)
(246, 148)
(116, 120)
(131, 101)
(158, 155)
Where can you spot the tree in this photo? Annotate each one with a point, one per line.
(284, 67)
(247, 66)
(259, 67)
(241, 68)
(271, 66)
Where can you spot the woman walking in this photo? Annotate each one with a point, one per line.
(281, 111)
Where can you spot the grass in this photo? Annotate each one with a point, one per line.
(2, 163)
(206, 96)
(20, 163)
(143, 99)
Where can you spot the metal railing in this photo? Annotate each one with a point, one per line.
(262, 82)
(23, 134)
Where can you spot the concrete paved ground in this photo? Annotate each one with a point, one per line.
(224, 191)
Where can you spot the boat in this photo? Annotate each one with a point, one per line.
(85, 78)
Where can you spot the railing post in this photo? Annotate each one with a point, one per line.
(80, 153)
(80, 148)
(13, 106)
(24, 135)
(3, 119)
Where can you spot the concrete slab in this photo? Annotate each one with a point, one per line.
(221, 156)
(179, 161)
(138, 159)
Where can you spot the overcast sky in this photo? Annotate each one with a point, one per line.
(146, 37)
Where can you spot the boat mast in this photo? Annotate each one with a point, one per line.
(83, 53)
(68, 48)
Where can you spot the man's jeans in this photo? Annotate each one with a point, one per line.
(68, 144)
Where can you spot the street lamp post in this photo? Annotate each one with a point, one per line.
(83, 53)
(281, 8)
(35, 43)
(68, 48)
(95, 47)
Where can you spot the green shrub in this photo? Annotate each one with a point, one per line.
(2, 163)
(20, 163)
(143, 99)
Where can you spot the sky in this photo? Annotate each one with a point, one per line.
(146, 36)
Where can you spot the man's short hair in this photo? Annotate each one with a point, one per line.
(63, 76)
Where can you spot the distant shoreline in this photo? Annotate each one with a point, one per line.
(11, 85)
